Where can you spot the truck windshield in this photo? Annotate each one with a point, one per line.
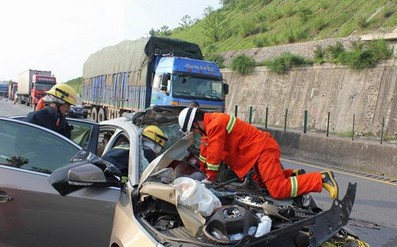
(184, 86)
(43, 86)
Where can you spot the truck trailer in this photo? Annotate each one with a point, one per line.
(134, 75)
(33, 84)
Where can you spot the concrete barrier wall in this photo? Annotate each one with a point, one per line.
(369, 95)
(366, 157)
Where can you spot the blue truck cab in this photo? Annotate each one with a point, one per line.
(4, 88)
(180, 81)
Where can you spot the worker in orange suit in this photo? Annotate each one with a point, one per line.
(40, 104)
(244, 147)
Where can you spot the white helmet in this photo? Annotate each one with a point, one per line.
(186, 118)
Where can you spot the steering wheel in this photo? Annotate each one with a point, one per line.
(210, 93)
(227, 221)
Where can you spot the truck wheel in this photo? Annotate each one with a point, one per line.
(94, 114)
(101, 115)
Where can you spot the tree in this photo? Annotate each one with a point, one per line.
(152, 32)
(226, 3)
(186, 21)
(165, 31)
(207, 11)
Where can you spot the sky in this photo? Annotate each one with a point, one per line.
(59, 35)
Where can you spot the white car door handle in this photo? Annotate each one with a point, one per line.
(4, 197)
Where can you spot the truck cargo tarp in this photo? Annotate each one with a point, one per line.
(134, 56)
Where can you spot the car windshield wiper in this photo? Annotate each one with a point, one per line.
(42, 170)
(213, 97)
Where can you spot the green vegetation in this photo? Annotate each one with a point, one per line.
(389, 138)
(282, 64)
(343, 134)
(362, 55)
(243, 64)
(76, 84)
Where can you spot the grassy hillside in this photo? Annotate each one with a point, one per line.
(243, 24)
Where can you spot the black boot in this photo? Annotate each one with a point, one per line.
(330, 184)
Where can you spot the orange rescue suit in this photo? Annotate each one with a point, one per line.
(244, 147)
(40, 104)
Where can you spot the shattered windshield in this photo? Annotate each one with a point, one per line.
(184, 86)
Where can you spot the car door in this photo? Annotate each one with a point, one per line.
(32, 212)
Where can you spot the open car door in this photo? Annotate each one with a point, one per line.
(32, 212)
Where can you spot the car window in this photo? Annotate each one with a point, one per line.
(31, 148)
(103, 139)
(81, 133)
(119, 140)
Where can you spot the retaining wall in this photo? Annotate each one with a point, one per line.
(368, 96)
(365, 157)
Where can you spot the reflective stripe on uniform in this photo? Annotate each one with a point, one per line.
(212, 167)
(202, 158)
(294, 186)
(230, 124)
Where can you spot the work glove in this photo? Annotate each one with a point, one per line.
(297, 172)
(206, 181)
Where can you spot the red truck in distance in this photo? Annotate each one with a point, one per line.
(33, 84)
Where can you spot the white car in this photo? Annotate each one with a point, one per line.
(55, 193)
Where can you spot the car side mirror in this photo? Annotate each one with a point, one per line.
(75, 176)
(86, 175)
(225, 88)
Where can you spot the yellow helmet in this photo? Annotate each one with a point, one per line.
(155, 134)
(64, 93)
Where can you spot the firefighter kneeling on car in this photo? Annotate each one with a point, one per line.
(243, 147)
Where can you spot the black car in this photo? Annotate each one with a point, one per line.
(77, 112)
